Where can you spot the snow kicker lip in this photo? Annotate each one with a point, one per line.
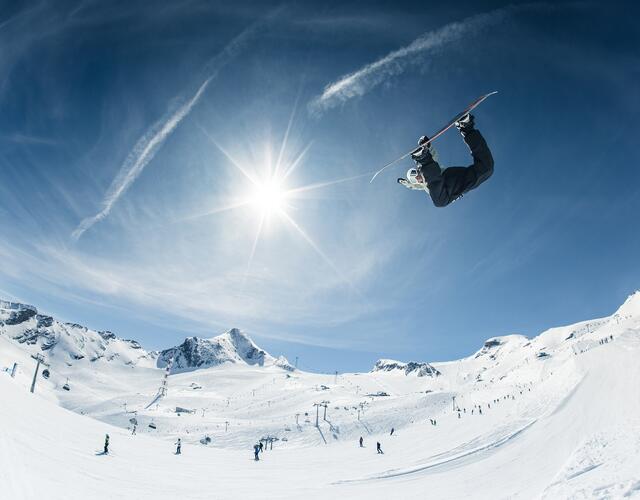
(449, 461)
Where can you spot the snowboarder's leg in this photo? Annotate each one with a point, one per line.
(448, 185)
(482, 166)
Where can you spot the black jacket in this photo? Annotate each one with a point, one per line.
(446, 186)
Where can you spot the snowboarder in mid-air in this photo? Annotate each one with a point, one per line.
(446, 186)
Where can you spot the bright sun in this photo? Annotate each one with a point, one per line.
(269, 197)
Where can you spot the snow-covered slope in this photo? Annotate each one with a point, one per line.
(64, 342)
(555, 416)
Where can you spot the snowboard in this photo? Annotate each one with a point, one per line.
(450, 124)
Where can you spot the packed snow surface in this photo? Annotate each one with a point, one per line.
(556, 416)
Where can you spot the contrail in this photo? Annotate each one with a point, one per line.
(366, 78)
(149, 144)
(142, 153)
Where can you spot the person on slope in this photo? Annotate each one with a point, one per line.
(448, 185)
(106, 444)
(256, 452)
(361, 442)
(178, 447)
(379, 448)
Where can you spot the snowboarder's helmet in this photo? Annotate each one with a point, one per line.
(413, 176)
(422, 140)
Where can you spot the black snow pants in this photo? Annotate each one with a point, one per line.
(446, 186)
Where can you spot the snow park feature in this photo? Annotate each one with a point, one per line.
(504, 422)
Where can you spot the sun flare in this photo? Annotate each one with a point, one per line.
(269, 197)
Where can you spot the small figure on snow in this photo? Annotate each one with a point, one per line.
(178, 447)
(256, 452)
(446, 186)
(361, 442)
(106, 444)
(379, 448)
(392, 431)
(261, 446)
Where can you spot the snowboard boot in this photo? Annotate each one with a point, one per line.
(465, 124)
(425, 154)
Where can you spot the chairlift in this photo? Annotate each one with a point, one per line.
(45, 373)
(66, 385)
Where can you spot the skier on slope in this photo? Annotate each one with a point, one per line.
(379, 448)
(256, 452)
(106, 444)
(178, 447)
(446, 186)
(361, 442)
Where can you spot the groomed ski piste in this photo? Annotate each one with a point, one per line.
(556, 416)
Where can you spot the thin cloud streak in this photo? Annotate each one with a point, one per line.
(360, 82)
(143, 152)
(149, 144)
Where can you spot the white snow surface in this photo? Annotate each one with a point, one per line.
(560, 419)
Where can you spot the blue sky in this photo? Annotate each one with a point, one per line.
(133, 140)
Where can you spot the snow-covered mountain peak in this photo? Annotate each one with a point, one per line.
(64, 342)
(502, 344)
(233, 346)
(631, 306)
(391, 365)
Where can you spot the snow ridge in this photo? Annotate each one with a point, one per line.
(232, 346)
(391, 365)
(65, 342)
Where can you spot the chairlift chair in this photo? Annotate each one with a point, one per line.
(66, 385)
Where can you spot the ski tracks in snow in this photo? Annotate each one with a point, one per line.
(450, 459)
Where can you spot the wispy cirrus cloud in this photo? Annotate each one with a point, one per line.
(153, 139)
(368, 77)
(142, 153)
